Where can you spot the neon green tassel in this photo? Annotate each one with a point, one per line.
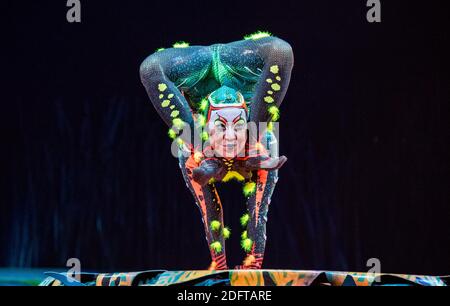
(180, 141)
(178, 123)
(249, 188)
(244, 219)
(244, 235)
(172, 134)
(205, 135)
(246, 244)
(257, 35)
(201, 120)
(203, 105)
(275, 112)
(226, 232)
(215, 225)
(216, 246)
(181, 44)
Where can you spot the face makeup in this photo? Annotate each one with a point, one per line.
(228, 131)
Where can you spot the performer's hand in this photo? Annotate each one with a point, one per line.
(265, 162)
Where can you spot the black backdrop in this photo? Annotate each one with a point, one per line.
(87, 170)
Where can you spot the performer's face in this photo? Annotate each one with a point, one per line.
(228, 132)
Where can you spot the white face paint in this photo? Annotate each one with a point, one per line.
(228, 131)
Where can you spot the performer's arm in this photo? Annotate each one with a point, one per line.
(274, 81)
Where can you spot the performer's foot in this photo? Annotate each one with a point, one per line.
(218, 263)
(251, 262)
(214, 267)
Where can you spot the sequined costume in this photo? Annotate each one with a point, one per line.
(179, 81)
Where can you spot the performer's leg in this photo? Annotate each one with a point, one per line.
(269, 58)
(160, 75)
(208, 201)
(254, 238)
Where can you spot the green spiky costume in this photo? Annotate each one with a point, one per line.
(178, 81)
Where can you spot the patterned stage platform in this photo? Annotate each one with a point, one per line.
(244, 278)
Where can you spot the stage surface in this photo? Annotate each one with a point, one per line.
(243, 278)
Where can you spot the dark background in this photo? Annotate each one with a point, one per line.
(87, 170)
